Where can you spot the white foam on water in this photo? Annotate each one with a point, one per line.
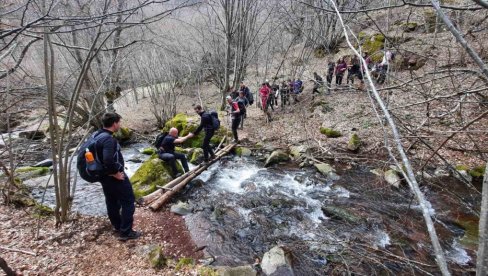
(342, 192)
(231, 178)
(458, 254)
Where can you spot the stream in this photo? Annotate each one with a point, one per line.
(243, 210)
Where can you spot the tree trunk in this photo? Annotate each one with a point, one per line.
(482, 260)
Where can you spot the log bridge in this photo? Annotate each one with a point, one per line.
(158, 198)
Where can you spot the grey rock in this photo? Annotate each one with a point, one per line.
(392, 178)
(44, 163)
(276, 157)
(181, 208)
(245, 270)
(32, 134)
(277, 262)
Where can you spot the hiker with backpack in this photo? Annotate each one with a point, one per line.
(235, 117)
(166, 151)
(284, 94)
(100, 160)
(330, 75)
(354, 70)
(247, 93)
(297, 89)
(243, 104)
(210, 123)
(388, 57)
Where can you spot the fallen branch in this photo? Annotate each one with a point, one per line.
(18, 250)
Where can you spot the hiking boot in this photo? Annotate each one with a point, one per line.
(132, 235)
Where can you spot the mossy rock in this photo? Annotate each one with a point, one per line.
(354, 143)
(471, 231)
(156, 258)
(186, 124)
(276, 157)
(329, 132)
(409, 26)
(184, 262)
(148, 151)
(243, 151)
(478, 171)
(324, 106)
(153, 173)
(373, 45)
(196, 156)
(340, 213)
(430, 20)
(123, 134)
(31, 172)
(462, 168)
(320, 52)
(43, 210)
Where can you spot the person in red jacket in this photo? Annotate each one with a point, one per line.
(264, 92)
(341, 68)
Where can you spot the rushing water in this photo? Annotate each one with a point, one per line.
(243, 210)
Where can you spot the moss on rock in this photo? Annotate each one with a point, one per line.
(354, 143)
(478, 171)
(123, 134)
(329, 132)
(276, 157)
(373, 44)
(148, 151)
(242, 151)
(152, 173)
(156, 258)
(196, 156)
(184, 262)
(31, 172)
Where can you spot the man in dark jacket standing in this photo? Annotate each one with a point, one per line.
(117, 188)
(206, 124)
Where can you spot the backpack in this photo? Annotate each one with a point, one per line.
(242, 106)
(250, 98)
(93, 172)
(159, 139)
(392, 55)
(215, 119)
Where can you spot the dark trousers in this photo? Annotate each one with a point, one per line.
(170, 158)
(285, 98)
(235, 123)
(339, 79)
(206, 144)
(243, 116)
(120, 199)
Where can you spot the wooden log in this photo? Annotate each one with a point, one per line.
(156, 204)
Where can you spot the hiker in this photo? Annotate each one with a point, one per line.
(284, 94)
(384, 65)
(119, 196)
(243, 104)
(206, 124)
(167, 151)
(297, 89)
(330, 75)
(264, 92)
(354, 70)
(341, 68)
(318, 82)
(233, 92)
(247, 93)
(235, 117)
(276, 91)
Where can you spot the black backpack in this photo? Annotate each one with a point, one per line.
(242, 106)
(159, 139)
(94, 172)
(250, 98)
(215, 119)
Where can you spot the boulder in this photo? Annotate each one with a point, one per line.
(373, 44)
(277, 262)
(378, 172)
(123, 134)
(324, 168)
(32, 134)
(181, 208)
(153, 173)
(245, 270)
(297, 151)
(354, 143)
(276, 157)
(243, 151)
(196, 156)
(329, 132)
(409, 27)
(392, 178)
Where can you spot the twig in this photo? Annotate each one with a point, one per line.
(18, 250)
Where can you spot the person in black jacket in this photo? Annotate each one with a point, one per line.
(207, 125)
(119, 196)
(168, 154)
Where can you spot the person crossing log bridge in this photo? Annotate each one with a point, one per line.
(158, 198)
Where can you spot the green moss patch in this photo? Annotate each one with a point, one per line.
(184, 262)
(329, 132)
